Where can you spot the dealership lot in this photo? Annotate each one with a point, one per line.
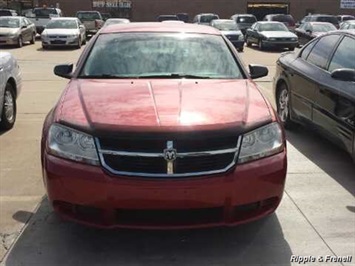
(316, 216)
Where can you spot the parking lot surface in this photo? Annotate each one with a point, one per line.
(316, 218)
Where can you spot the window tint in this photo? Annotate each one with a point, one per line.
(246, 20)
(322, 50)
(307, 50)
(344, 56)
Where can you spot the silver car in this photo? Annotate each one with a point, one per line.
(64, 32)
(112, 21)
(16, 31)
(10, 88)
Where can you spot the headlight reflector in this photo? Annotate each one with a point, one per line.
(261, 142)
(72, 144)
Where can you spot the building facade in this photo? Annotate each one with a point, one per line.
(148, 10)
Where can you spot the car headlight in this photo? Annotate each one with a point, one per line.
(72, 144)
(261, 142)
(294, 39)
(272, 39)
(73, 35)
(241, 37)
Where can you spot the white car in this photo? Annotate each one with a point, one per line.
(64, 32)
(10, 88)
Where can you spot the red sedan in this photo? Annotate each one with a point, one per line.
(162, 127)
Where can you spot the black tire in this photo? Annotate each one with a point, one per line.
(33, 40)
(44, 47)
(84, 41)
(283, 105)
(261, 45)
(248, 42)
(240, 50)
(20, 42)
(7, 118)
(79, 43)
(291, 48)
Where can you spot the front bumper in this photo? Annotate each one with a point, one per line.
(90, 195)
(61, 42)
(8, 40)
(288, 44)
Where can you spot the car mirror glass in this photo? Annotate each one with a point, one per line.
(258, 71)
(344, 74)
(64, 71)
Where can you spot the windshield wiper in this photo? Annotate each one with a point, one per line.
(105, 76)
(174, 76)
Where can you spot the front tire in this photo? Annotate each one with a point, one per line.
(261, 45)
(19, 42)
(283, 105)
(33, 40)
(248, 42)
(79, 43)
(8, 116)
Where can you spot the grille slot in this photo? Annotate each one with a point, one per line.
(195, 154)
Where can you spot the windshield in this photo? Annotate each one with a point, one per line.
(248, 19)
(332, 20)
(226, 26)
(272, 27)
(62, 24)
(45, 12)
(323, 27)
(88, 15)
(208, 18)
(9, 23)
(161, 55)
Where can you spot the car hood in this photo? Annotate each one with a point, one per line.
(8, 30)
(60, 31)
(149, 105)
(278, 34)
(231, 32)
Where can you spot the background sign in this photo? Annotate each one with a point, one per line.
(348, 4)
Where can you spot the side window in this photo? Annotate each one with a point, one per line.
(343, 57)
(322, 50)
(307, 50)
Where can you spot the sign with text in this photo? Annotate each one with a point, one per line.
(112, 4)
(348, 4)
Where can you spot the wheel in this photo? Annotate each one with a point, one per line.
(240, 49)
(19, 42)
(261, 45)
(291, 48)
(248, 42)
(79, 43)
(44, 47)
(8, 115)
(283, 105)
(33, 40)
(84, 41)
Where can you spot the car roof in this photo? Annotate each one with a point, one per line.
(18, 17)
(350, 21)
(224, 20)
(160, 27)
(321, 15)
(65, 18)
(319, 22)
(246, 15)
(270, 22)
(348, 32)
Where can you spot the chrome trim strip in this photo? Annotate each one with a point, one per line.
(180, 155)
(159, 175)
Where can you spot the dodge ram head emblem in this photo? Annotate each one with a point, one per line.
(170, 155)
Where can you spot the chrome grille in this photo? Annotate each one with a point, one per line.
(189, 155)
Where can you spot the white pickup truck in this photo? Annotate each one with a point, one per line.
(40, 16)
(92, 21)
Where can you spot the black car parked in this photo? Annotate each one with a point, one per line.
(316, 87)
(310, 30)
(320, 18)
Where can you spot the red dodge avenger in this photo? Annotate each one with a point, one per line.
(161, 127)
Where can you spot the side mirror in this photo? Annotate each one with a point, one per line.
(344, 74)
(64, 71)
(309, 31)
(24, 27)
(258, 71)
